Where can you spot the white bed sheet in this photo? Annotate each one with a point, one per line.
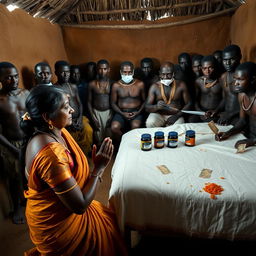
(146, 199)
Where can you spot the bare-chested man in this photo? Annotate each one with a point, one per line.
(196, 65)
(218, 56)
(230, 106)
(43, 73)
(245, 86)
(146, 73)
(12, 107)
(99, 102)
(127, 100)
(80, 128)
(208, 90)
(184, 60)
(166, 97)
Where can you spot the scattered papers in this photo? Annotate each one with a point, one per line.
(241, 148)
(163, 169)
(213, 127)
(205, 173)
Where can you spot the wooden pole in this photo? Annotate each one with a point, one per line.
(154, 26)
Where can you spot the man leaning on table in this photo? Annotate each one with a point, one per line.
(244, 83)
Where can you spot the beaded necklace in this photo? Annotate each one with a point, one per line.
(250, 104)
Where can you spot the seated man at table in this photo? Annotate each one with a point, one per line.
(165, 98)
(244, 82)
(127, 101)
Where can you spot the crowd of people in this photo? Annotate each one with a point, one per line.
(47, 132)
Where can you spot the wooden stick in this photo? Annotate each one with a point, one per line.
(153, 26)
(165, 7)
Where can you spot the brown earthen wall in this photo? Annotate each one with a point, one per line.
(83, 45)
(26, 41)
(242, 30)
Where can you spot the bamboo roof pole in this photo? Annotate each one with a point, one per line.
(154, 26)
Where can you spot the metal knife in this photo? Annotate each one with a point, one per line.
(198, 113)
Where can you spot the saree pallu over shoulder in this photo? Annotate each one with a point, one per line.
(55, 230)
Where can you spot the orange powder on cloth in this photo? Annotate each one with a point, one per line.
(213, 189)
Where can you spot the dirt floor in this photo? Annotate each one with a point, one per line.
(14, 239)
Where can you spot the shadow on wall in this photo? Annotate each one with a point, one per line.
(252, 54)
(27, 77)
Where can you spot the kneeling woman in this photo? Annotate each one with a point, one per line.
(62, 216)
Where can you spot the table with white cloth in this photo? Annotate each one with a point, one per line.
(146, 199)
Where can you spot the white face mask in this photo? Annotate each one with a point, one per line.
(127, 78)
(166, 82)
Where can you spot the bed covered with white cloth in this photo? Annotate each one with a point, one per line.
(146, 199)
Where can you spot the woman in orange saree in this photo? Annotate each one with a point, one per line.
(62, 216)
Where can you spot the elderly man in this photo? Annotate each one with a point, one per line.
(166, 97)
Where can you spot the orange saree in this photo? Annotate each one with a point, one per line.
(53, 228)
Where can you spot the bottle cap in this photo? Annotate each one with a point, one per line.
(146, 136)
(190, 132)
(173, 133)
(159, 133)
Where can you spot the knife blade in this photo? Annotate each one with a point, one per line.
(198, 113)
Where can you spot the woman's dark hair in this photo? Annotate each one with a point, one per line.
(41, 99)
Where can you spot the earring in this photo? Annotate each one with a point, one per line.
(50, 125)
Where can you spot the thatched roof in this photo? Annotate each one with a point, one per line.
(77, 12)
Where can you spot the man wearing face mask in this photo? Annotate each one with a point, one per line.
(127, 100)
(165, 98)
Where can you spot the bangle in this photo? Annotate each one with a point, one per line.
(65, 191)
(96, 175)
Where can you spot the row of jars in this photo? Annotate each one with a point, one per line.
(172, 140)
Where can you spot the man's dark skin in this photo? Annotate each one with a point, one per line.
(196, 65)
(75, 75)
(63, 74)
(147, 73)
(244, 85)
(43, 74)
(181, 100)
(12, 107)
(208, 97)
(230, 105)
(125, 96)
(99, 93)
(184, 60)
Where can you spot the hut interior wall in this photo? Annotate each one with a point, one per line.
(26, 41)
(242, 30)
(162, 44)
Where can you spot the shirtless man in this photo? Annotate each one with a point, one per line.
(244, 85)
(146, 73)
(184, 60)
(127, 100)
(82, 87)
(99, 102)
(196, 65)
(43, 73)
(218, 56)
(12, 107)
(208, 90)
(80, 128)
(166, 97)
(229, 106)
